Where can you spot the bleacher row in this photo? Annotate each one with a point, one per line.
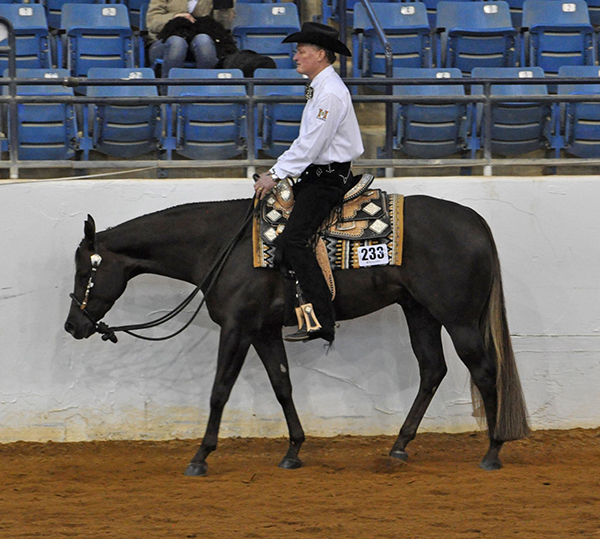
(465, 35)
(469, 38)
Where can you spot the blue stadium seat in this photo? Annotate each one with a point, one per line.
(262, 27)
(594, 12)
(517, 127)
(54, 9)
(207, 130)
(431, 7)
(137, 10)
(45, 131)
(581, 121)
(475, 34)
(122, 131)
(406, 28)
(431, 131)
(31, 33)
(559, 33)
(516, 12)
(330, 10)
(279, 122)
(97, 36)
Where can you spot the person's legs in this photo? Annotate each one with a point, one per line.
(312, 207)
(172, 52)
(205, 52)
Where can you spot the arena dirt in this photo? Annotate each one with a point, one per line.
(549, 487)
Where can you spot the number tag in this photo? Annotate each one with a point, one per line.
(525, 74)
(490, 8)
(224, 75)
(373, 255)
(279, 10)
(109, 12)
(442, 75)
(25, 12)
(407, 10)
(569, 8)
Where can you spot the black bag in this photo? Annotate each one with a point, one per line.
(248, 61)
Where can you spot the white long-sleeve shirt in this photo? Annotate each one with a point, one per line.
(329, 130)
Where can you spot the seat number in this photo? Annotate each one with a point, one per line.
(109, 12)
(407, 10)
(569, 8)
(490, 8)
(25, 12)
(278, 11)
(373, 255)
(525, 74)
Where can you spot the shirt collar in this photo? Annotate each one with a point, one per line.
(320, 78)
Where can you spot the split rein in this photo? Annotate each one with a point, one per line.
(108, 332)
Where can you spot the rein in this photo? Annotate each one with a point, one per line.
(108, 332)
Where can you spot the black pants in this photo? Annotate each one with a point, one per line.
(321, 188)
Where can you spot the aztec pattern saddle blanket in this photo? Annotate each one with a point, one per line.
(366, 231)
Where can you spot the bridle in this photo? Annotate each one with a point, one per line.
(108, 333)
(101, 327)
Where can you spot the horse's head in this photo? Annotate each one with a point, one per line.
(100, 278)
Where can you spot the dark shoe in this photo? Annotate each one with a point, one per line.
(302, 335)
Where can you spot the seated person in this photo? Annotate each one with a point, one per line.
(175, 49)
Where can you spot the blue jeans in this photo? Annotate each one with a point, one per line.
(175, 50)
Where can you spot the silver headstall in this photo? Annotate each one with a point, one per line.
(96, 259)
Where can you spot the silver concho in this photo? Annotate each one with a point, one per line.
(378, 226)
(284, 190)
(96, 259)
(371, 208)
(270, 234)
(274, 216)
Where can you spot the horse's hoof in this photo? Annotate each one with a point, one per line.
(400, 455)
(290, 464)
(490, 465)
(196, 470)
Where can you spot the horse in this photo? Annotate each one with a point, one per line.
(449, 277)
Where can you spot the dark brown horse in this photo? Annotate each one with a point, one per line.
(450, 277)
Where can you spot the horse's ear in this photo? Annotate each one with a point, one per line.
(89, 229)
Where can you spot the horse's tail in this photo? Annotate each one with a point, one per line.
(511, 417)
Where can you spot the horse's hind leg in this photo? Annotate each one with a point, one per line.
(233, 348)
(270, 349)
(470, 347)
(425, 337)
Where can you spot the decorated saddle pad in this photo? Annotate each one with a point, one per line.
(368, 230)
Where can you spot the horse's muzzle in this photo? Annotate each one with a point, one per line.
(80, 330)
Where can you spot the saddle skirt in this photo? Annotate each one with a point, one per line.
(366, 231)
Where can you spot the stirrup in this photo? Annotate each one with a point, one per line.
(307, 321)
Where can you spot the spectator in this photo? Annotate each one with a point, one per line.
(175, 49)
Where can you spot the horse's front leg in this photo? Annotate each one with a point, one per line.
(270, 349)
(233, 347)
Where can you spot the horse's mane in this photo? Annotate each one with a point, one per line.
(171, 211)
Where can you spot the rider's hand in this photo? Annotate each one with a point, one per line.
(264, 185)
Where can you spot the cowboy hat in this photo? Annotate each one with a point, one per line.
(319, 34)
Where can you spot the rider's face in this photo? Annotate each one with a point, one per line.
(308, 59)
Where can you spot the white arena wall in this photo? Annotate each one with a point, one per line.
(53, 387)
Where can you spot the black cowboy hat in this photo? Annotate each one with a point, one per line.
(319, 34)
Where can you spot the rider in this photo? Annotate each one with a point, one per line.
(320, 159)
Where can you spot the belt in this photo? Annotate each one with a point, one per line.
(335, 171)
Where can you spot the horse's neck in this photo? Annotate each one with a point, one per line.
(182, 242)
